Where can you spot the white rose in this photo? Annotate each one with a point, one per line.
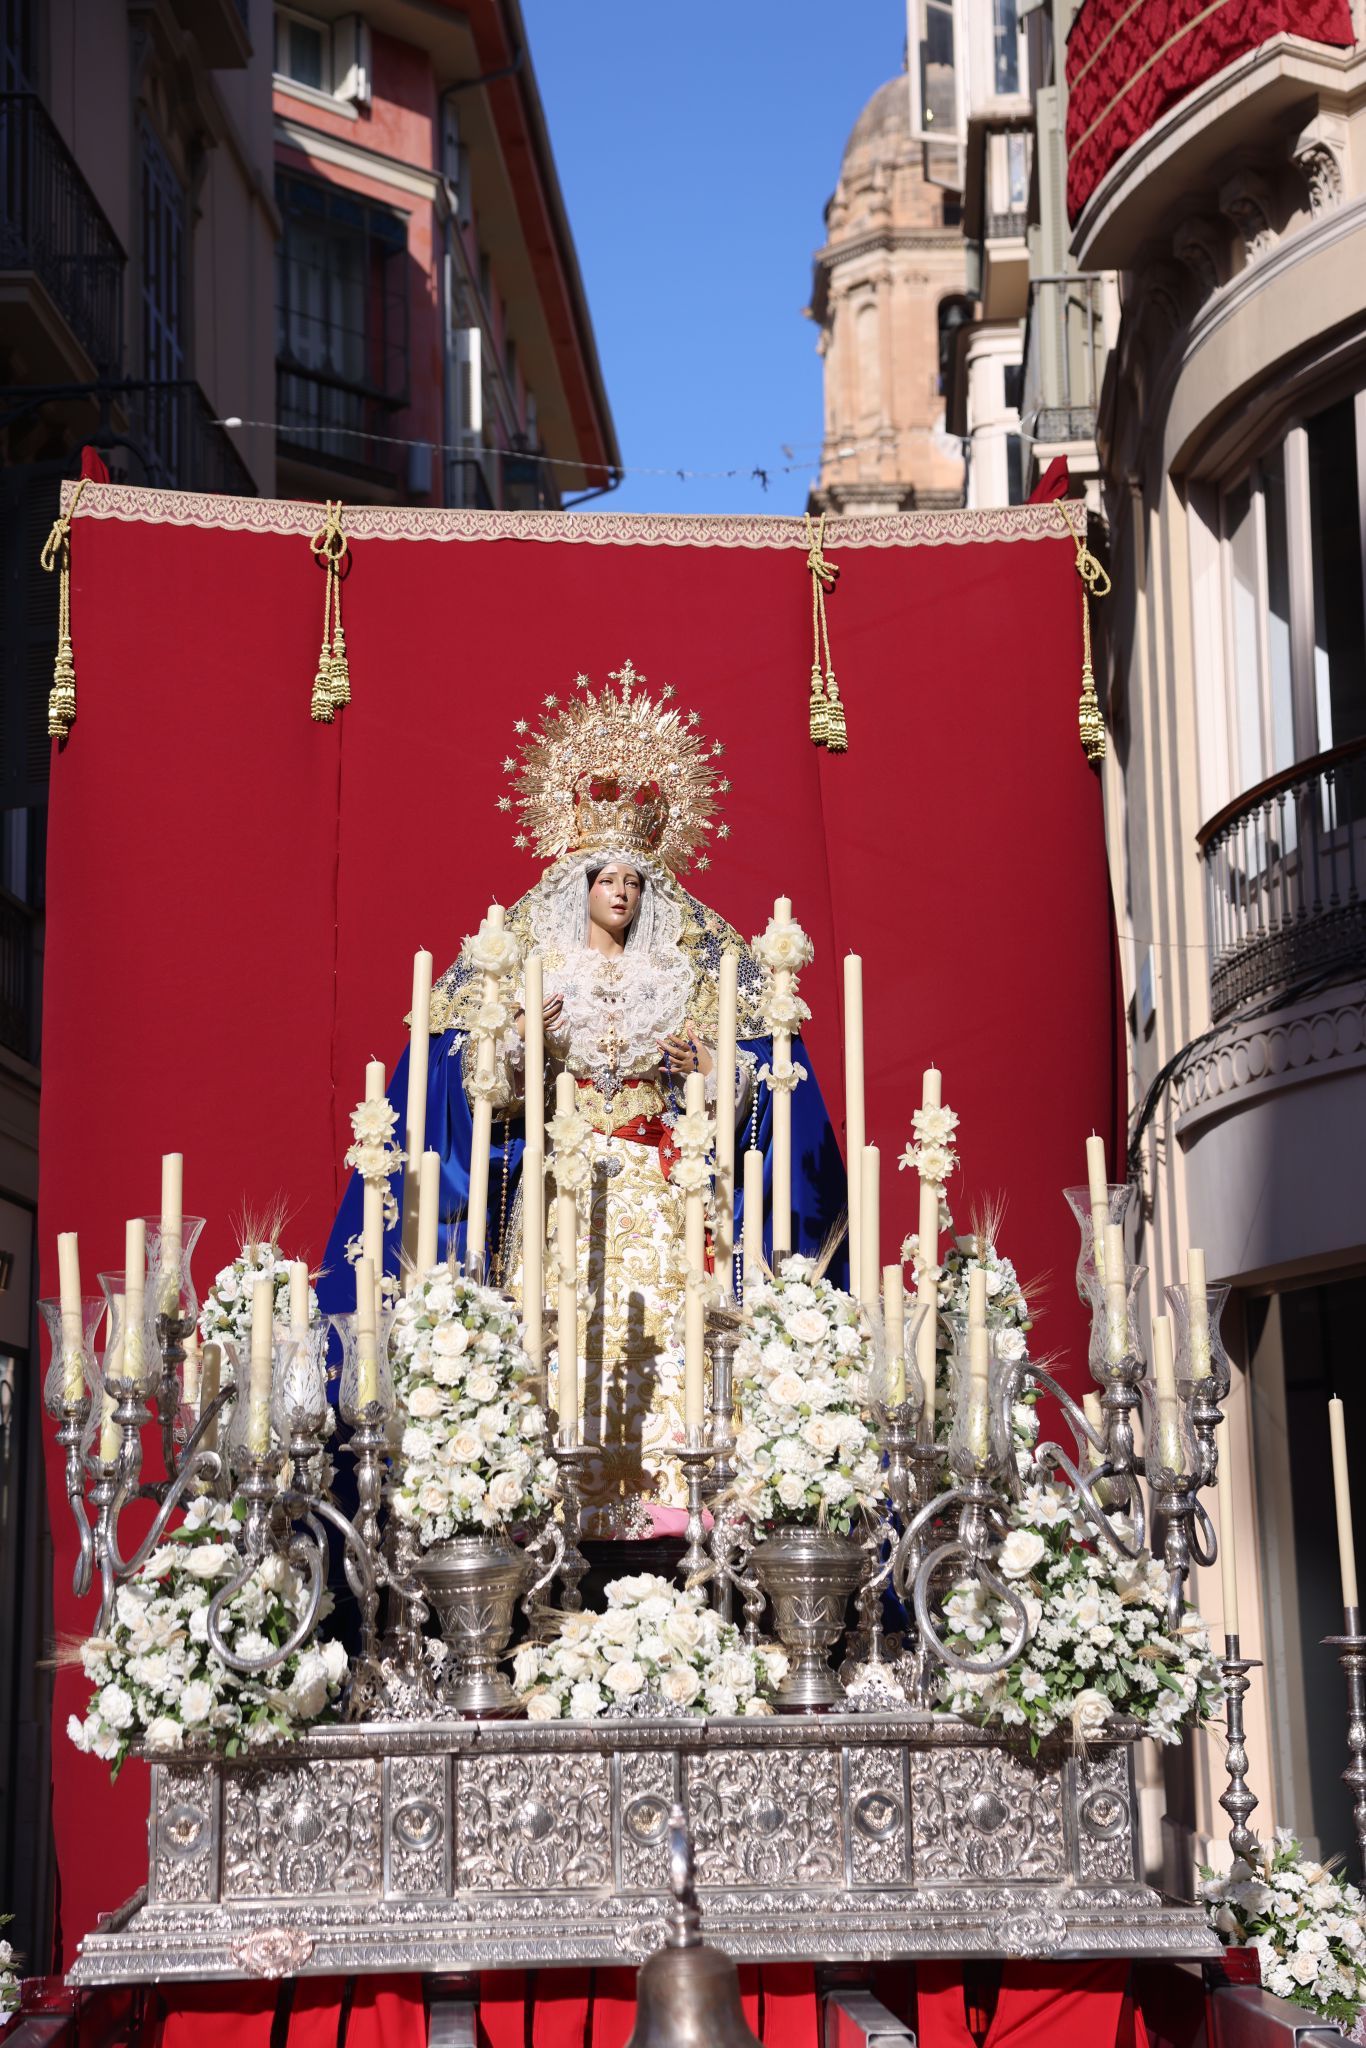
(482, 1385)
(1021, 1551)
(505, 1491)
(209, 1560)
(425, 1402)
(585, 1700)
(115, 1707)
(805, 1326)
(163, 1733)
(787, 1388)
(618, 1625)
(680, 1686)
(464, 1446)
(526, 1667)
(335, 1662)
(196, 1703)
(792, 1489)
(450, 1340)
(1090, 1712)
(543, 1706)
(823, 1433)
(683, 1628)
(737, 1671)
(624, 1679)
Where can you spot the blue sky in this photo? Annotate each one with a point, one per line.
(697, 145)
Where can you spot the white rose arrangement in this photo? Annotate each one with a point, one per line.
(376, 1156)
(494, 955)
(9, 1978)
(473, 1443)
(805, 1447)
(1008, 1313)
(784, 949)
(658, 1650)
(1099, 1643)
(225, 1317)
(158, 1683)
(1306, 1921)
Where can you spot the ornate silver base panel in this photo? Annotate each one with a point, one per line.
(466, 1845)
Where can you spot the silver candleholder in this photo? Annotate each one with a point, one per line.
(572, 1565)
(696, 1458)
(1351, 1649)
(723, 1332)
(1239, 1800)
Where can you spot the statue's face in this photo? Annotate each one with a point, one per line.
(614, 899)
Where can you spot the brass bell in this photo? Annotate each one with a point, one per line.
(688, 1995)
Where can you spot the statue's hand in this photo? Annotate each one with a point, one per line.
(549, 1015)
(686, 1052)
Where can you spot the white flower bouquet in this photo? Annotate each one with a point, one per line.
(473, 1444)
(805, 1447)
(658, 1649)
(225, 1316)
(9, 1976)
(158, 1683)
(1305, 1920)
(1098, 1644)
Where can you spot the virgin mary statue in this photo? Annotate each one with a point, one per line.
(618, 793)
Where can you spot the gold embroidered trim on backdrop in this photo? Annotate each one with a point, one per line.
(955, 528)
(61, 700)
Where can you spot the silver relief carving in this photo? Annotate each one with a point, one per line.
(763, 1820)
(184, 1859)
(274, 1952)
(646, 1791)
(534, 1824)
(300, 1829)
(1104, 1808)
(418, 1845)
(987, 1813)
(875, 1800)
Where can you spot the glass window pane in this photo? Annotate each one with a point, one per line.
(938, 90)
(1278, 612)
(304, 53)
(1240, 538)
(1006, 46)
(1335, 529)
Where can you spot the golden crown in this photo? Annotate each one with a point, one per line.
(618, 770)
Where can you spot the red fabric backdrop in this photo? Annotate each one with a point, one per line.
(235, 893)
(1127, 64)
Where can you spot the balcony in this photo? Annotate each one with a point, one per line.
(175, 436)
(1284, 866)
(1064, 359)
(61, 265)
(339, 425)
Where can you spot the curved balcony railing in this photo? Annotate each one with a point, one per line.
(1285, 866)
(52, 224)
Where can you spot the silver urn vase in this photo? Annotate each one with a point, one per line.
(808, 1575)
(472, 1584)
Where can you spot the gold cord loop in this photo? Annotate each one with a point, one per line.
(56, 554)
(1095, 583)
(332, 683)
(829, 728)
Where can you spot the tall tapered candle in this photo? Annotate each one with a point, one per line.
(69, 1287)
(172, 1232)
(428, 1210)
(134, 1284)
(695, 1252)
(1169, 1448)
(415, 1118)
(894, 1332)
(1342, 1495)
(979, 1364)
(110, 1434)
(977, 1297)
(533, 1255)
(1095, 1415)
(193, 1371)
(1099, 1195)
(1197, 1314)
(372, 1192)
(367, 1335)
(208, 1390)
(567, 1330)
(869, 1276)
(854, 1127)
(782, 1109)
(927, 1295)
(477, 1212)
(298, 1299)
(754, 1219)
(723, 1201)
(1116, 1291)
(1228, 1555)
(262, 1339)
(533, 998)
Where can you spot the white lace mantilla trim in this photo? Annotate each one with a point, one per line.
(959, 527)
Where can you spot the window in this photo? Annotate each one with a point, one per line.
(164, 250)
(953, 313)
(325, 57)
(341, 319)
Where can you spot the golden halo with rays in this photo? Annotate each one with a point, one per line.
(614, 767)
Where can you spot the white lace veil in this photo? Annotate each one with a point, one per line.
(655, 973)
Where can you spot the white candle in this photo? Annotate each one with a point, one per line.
(172, 1231)
(754, 1219)
(567, 1333)
(110, 1433)
(695, 1252)
(1099, 1193)
(932, 1089)
(533, 1255)
(977, 1297)
(1095, 1415)
(415, 1120)
(193, 1370)
(372, 1193)
(73, 1334)
(894, 1333)
(262, 1343)
(533, 998)
(1169, 1449)
(979, 1389)
(1197, 1315)
(1342, 1494)
(367, 1335)
(1116, 1292)
(782, 1110)
(927, 1295)
(428, 1210)
(134, 1284)
(854, 1126)
(208, 1391)
(868, 1277)
(477, 1214)
(724, 1197)
(298, 1299)
(1228, 1559)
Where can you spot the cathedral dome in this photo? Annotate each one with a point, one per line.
(883, 129)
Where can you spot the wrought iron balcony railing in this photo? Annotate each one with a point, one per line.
(349, 423)
(177, 436)
(1064, 355)
(52, 224)
(1284, 867)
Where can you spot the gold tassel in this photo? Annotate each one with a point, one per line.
(829, 728)
(61, 699)
(332, 683)
(1094, 583)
